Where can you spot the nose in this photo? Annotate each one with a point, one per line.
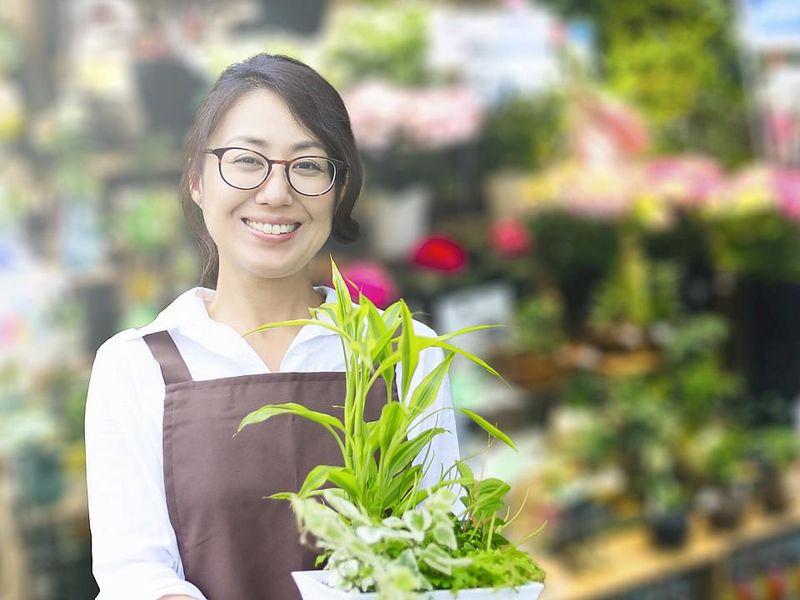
(275, 191)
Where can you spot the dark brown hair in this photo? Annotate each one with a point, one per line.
(312, 101)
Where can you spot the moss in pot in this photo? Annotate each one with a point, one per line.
(379, 534)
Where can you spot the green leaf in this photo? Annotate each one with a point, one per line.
(489, 428)
(392, 424)
(344, 303)
(281, 496)
(297, 323)
(426, 342)
(271, 410)
(428, 389)
(410, 449)
(391, 315)
(344, 479)
(401, 485)
(409, 349)
(315, 479)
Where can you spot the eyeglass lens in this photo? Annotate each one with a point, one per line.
(308, 174)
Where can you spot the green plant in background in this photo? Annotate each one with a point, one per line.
(678, 62)
(639, 291)
(522, 133)
(723, 453)
(539, 325)
(374, 505)
(151, 221)
(764, 245)
(381, 41)
(780, 446)
(576, 254)
(694, 376)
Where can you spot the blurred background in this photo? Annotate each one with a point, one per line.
(614, 181)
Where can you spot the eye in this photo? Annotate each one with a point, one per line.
(309, 165)
(247, 159)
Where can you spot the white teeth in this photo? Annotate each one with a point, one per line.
(271, 228)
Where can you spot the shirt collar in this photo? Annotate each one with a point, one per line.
(188, 313)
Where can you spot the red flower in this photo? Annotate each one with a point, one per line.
(510, 238)
(372, 280)
(440, 253)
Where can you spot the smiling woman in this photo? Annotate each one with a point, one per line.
(176, 503)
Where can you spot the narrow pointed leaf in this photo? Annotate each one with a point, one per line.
(489, 428)
(271, 410)
(428, 389)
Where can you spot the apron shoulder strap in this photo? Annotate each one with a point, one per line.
(164, 350)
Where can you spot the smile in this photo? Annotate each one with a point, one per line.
(271, 228)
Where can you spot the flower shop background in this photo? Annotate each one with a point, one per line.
(614, 182)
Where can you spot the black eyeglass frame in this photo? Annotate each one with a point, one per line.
(220, 152)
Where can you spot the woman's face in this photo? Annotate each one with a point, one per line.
(236, 219)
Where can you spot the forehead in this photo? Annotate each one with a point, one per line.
(262, 114)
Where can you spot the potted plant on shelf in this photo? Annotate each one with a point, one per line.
(380, 534)
(775, 449)
(726, 469)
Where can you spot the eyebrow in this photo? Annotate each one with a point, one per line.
(264, 144)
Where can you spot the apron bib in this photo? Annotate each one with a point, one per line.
(234, 543)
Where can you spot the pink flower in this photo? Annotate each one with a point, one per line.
(608, 128)
(509, 237)
(382, 114)
(684, 180)
(440, 253)
(786, 184)
(371, 279)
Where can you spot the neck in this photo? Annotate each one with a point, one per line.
(245, 303)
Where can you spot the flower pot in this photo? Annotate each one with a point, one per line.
(773, 492)
(399, 219)
(668, 529)
(727, 509)
(313, 586)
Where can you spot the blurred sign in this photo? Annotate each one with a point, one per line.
(487, 303)
(770, 24)
(498, 51)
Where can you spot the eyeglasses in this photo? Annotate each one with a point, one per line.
(246, 169)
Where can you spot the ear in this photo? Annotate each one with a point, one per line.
(196, 189)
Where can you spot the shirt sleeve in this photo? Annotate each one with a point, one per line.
(134, 549)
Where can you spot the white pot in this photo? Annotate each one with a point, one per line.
(399, 219)
(313, 586)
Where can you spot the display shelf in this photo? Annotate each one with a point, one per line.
(625, 561)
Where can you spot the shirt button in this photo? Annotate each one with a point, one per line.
(296, 350)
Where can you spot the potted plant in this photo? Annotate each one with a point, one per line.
(776, 448)
(379, 533)
(666, 511)
(727, 473)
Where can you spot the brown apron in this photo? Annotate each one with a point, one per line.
(234, 544)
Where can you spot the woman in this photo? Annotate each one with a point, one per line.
(176, 505)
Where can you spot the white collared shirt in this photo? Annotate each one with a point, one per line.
(134, 549)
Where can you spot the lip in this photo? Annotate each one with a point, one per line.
(273, 237)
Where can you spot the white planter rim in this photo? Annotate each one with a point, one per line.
(313, 586)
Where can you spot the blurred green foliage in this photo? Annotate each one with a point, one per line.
(639, 291)
(676, 60)
(538, 324)
(522, 133)
(381, 41)
(763, 245)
